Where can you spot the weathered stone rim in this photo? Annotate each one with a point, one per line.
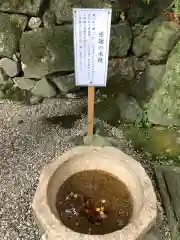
(53, 226)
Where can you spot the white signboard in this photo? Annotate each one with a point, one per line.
(91, 45)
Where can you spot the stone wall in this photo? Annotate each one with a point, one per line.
(36, 57)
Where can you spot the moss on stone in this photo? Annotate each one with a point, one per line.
(163, 108)
(158, 141)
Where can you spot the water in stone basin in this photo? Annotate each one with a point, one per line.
(94, 202)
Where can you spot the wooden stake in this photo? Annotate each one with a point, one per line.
(91, 92)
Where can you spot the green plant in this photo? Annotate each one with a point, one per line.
(143, 121)
(175, 6)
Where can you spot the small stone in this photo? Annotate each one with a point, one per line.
(34, 22)
(24, 83)
(71, 95)
(10, 67)
(44, 89)
(35, 100)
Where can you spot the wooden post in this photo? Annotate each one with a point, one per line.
(91, 92)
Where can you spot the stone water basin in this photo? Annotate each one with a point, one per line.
(94, 193)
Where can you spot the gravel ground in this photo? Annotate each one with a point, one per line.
(26, 144)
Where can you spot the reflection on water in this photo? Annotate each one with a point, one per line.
(94, 202)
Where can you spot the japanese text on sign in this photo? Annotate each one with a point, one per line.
(91, 45)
